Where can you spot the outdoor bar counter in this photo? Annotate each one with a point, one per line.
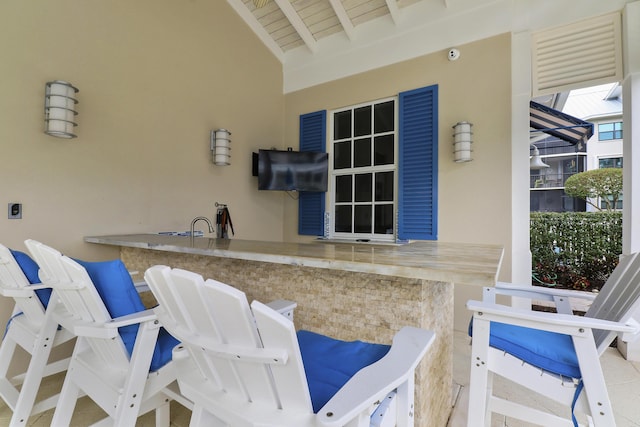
(345, 290)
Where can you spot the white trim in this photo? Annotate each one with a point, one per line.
(428, 27)
(369, 237)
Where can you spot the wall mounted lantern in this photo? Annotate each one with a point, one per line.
(535, 161)
(220, 147)
(462, 142)
(60, 109)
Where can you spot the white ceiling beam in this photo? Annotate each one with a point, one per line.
(344, 19)
(394, 11)
(298, 24)
(257, 28)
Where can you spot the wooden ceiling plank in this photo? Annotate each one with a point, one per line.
(298, 24)
(343, 17)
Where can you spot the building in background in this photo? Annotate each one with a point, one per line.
(599, 105)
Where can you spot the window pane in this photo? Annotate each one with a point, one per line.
(343, 219)
(614, 162)
(362, 121)
(384, 187)
(605, 127)
(384, 219)
(342, 155)
(383, 117)
(342, 125)
(384, 150)
(363, 187)
(343, 188)
(362, 153)
(362, 219)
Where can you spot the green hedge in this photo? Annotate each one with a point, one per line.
(576, 250)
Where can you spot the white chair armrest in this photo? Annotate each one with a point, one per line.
(373, 383)
(631, 337)
(538, 292)
(284, 307)
(24, 292)
(553, 322)
(16, 292)
(141, 286)
(132, 319)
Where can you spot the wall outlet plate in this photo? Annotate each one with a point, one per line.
(15, 211)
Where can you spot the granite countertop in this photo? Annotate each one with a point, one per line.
(430, 260)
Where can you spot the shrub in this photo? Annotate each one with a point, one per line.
(576, 250)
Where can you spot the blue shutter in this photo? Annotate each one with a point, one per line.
(313, 135)
(418, 164)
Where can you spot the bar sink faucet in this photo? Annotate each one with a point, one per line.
(201, 218)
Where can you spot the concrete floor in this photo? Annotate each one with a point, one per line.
(623, 382)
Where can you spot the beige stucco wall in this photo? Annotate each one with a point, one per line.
(154, 79)
(474, 198)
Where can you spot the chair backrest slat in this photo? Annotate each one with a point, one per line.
(220, 314)
(12, 278)
(277, 331)
(79, 299)
(618, 299)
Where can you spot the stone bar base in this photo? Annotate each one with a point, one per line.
(345, 305)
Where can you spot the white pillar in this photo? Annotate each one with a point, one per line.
(520, 97)
(631, 147)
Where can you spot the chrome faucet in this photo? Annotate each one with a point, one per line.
(201, 218)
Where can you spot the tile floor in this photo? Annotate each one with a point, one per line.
(622, 378)
(623, 382)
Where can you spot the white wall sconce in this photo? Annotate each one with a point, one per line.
(220, 147)
(60, 109)
(462, 142)
(535, 161)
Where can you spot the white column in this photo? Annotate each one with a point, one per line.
(520, 97)
(631, 147)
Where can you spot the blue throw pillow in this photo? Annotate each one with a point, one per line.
(115, 286)
(30, 270)
(330, 363)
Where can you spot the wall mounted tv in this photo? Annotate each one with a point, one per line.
(292, 170)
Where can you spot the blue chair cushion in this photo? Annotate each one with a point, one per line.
(30, 270)
(546, 350)
(330, 363)
(115, 286)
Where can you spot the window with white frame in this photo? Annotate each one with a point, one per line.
(363, 173)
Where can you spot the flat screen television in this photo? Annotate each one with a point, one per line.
(292, 170)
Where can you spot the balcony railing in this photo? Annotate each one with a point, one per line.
(549, 180)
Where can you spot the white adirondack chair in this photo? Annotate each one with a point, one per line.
(122, 356)
(243, 365)
(554, 354)
(27, 328)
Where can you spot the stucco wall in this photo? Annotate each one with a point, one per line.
(154, 79)
(474, 198)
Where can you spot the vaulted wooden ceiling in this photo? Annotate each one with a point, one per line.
(285, 25)
(321, 40)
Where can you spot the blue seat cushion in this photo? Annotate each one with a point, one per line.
(30, 270)
(330, 363)
(115, 286)
(546, 350)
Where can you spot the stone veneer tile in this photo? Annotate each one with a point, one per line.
(344, 305)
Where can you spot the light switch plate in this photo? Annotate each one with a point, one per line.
(15, 211)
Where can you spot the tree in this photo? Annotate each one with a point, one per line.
(605, 184)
